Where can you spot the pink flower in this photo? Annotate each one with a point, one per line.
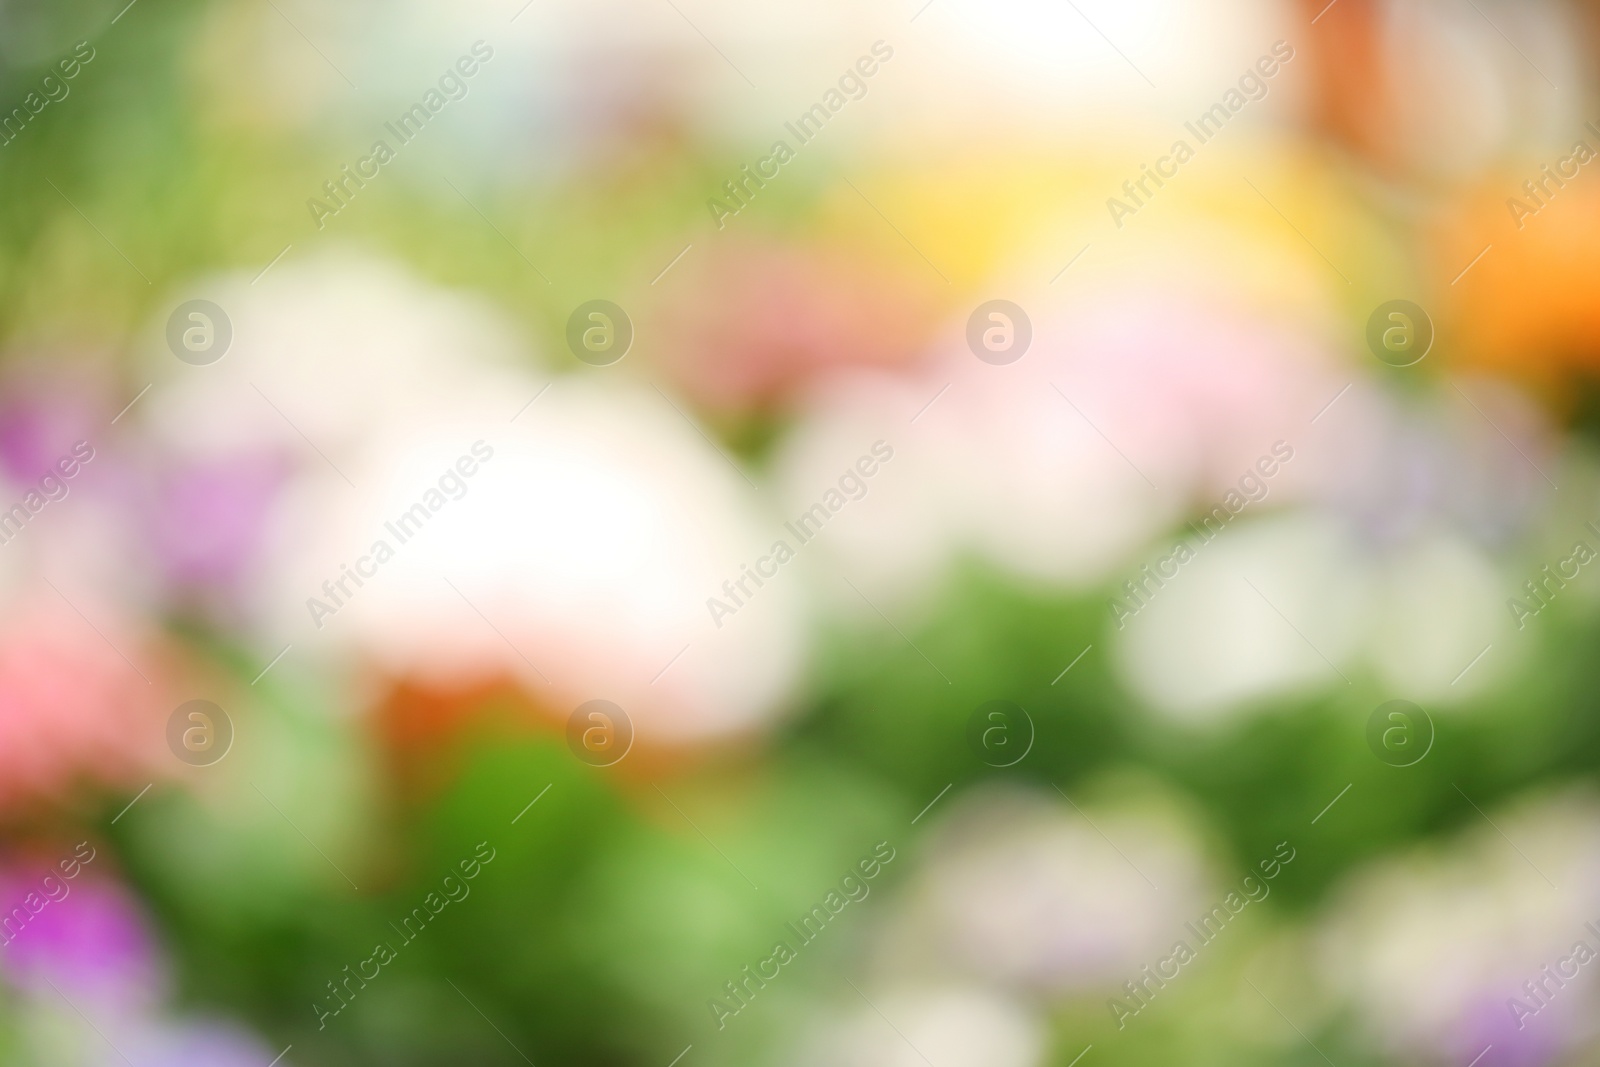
(72, 710)
(1065, 464)
(754, 320)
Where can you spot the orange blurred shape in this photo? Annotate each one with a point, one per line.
(427, 731)
(420, 726)
(1528, 308)
(1349, 80)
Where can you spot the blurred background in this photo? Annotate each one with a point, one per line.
(671, 532)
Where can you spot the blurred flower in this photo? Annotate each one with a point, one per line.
(1430, 90)
(578, 556)
(1432, 948)
(1058, 466)
(902, 534)
(73, 711)
(325, 353)
(65, 480)
(45, 411)
(1293, 604)
(1468, 455)
(1524, 310)
(92, 945)
(1168, 411)
(1211, 642)
(1400, 564)
(573, 82)
(1030, 66)
(209, 521)
(326, 356)
(1023, 890)
(91, 957)
(949, 1026)
(84, 682)
(753, 321)
(202, 1042)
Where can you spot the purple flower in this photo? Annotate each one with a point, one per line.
(208, 518)
(85, 937)
(1491, 1025)
(37, 428)
(192, 1043)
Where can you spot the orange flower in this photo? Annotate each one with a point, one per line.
(1526, 308)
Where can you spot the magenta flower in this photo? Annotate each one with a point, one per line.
(84, 936)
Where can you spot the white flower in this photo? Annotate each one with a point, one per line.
(1431, 948)
(324, 353)
(1023, 890)
(947, 1026)
(1393, 561)
(575, 549)
(1267, 609)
